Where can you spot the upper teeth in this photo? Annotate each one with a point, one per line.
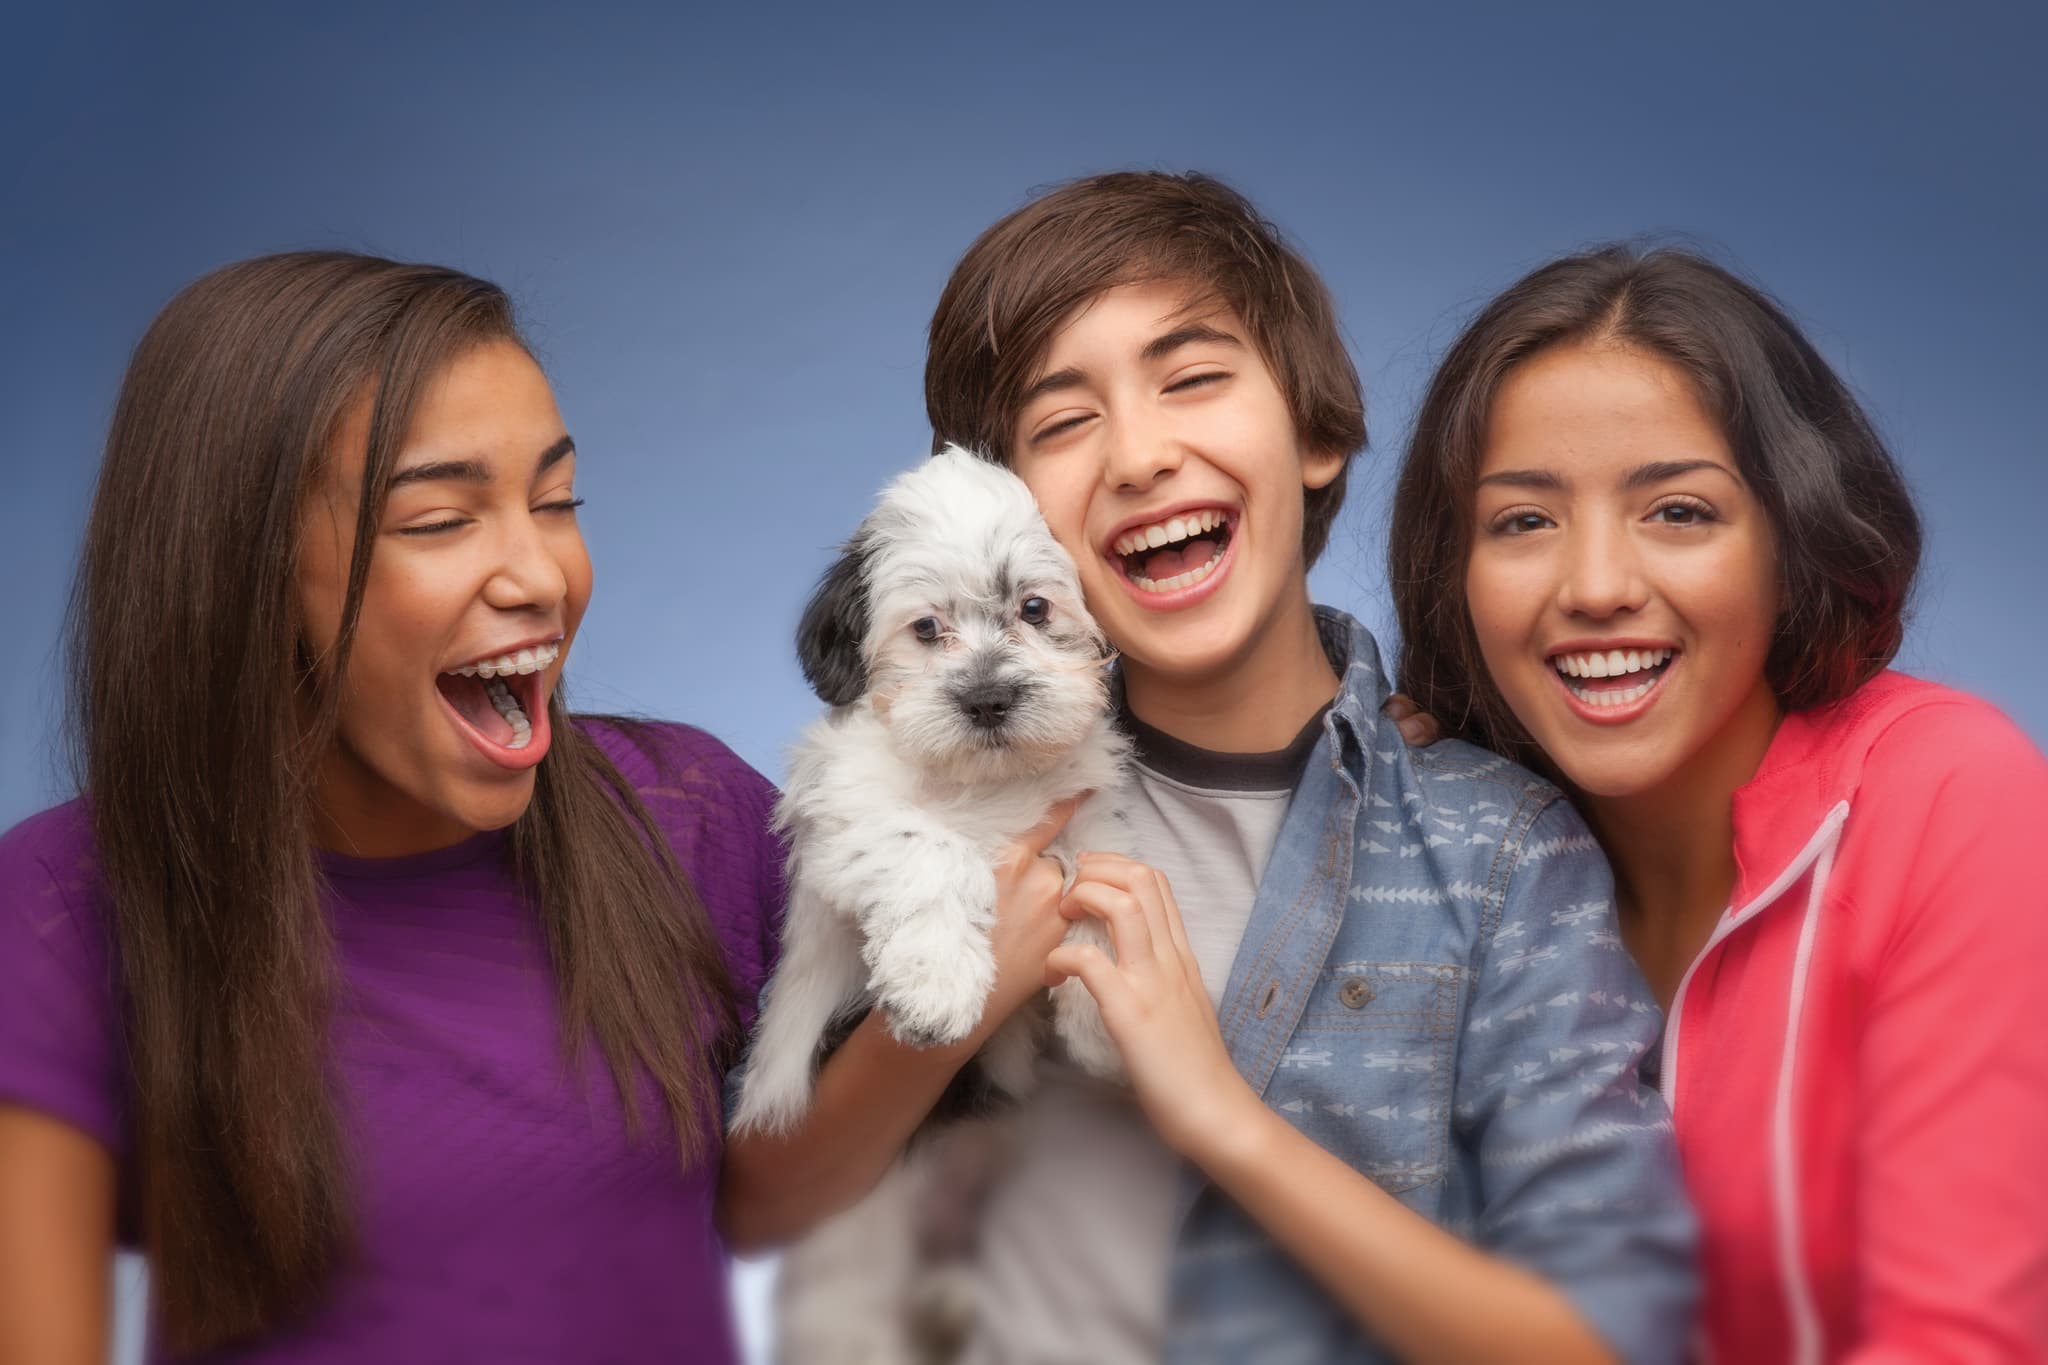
(1167, 532)
(1611, 664)
(525, 661)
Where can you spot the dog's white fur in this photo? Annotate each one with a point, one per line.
(898, 801)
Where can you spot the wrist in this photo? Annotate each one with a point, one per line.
(1232, 1128)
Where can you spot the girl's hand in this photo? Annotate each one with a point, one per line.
(1418, 728)
(1153, 1003)
(1028, 922)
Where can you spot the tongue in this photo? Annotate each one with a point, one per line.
(468, 696)
(1178, 559)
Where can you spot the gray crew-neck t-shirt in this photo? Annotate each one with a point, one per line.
(1077, 1230)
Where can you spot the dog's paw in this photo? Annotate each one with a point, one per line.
(1077, 1020)
(933, 993)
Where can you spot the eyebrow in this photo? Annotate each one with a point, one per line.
(1155, 349)
(475, 471)
(1185, 336)
(1642, 476)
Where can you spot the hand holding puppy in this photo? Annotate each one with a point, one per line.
(1153, 1003)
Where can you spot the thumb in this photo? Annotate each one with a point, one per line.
(1040, 836)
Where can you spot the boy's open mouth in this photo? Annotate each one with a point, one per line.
(1612, 677)
(1176, 553)
(499, 697)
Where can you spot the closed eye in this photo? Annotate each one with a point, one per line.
(1195, 381)
(561, 505)
(434, 527)
(1064, 425)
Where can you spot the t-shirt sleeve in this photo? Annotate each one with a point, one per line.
(60, 1050)
(717, 813)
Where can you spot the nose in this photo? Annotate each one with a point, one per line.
(1142, 450)
(1603, 573)
(528, 576)
(988, 704)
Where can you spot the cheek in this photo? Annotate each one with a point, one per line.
(1062, 500)
(1505, 598)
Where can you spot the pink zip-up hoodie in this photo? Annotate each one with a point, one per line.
(1857, 1062)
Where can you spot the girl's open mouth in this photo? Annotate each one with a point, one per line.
(500, 703)
(1611, 684)
(1175, 554)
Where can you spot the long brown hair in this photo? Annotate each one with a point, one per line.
(1030, 270)
(198, 724)
(1847, 537)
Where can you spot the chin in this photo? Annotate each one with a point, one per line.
(495, 809)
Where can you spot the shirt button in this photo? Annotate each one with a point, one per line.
(1355, 993)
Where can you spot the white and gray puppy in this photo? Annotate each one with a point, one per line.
(968, 695)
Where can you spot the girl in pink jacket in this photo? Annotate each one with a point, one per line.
(1645, 539)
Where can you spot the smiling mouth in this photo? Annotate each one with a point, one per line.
(499, 697)
(1613, 677)
(1177, 553)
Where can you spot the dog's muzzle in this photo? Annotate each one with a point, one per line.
(988, 705)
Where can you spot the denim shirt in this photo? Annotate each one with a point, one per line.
(1431, 986)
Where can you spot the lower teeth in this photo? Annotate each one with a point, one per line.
(508, 707)
(1181, 580)
(1613, 697)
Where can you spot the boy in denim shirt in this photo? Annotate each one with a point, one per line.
(1381, 1033)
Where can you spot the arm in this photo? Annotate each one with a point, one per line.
(56, 1241)
(1428, 1295)
(1953, 1061)
(874, 1091)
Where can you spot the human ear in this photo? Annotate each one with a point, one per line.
(1320, 468)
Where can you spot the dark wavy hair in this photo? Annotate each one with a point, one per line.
(1846, 534)
(1031, 269)
(198, 725)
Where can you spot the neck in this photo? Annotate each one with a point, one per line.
(1255, 704)
(1673, 845)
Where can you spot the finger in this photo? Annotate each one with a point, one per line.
(1418, 728)
(1176, 927)
(1099, 976)
(1146, 884)
(1129, 931)
(1039, 837)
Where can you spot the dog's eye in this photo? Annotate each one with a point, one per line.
(926, 628)
(1037, 611)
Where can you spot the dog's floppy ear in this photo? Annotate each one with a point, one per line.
(828, 638)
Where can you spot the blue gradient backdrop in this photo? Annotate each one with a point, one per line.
(727, 226)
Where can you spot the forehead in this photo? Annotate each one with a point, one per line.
(1596, 405)
(1127, 316)
(489, 403)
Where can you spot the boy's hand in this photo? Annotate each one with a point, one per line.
(1418, 728)
(1153, 1002)
(1028, 922)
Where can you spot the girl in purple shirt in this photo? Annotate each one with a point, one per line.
(380, 1001)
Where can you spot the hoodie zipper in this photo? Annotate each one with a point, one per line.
(1818, 855)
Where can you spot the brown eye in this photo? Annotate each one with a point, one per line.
(1037, 611)
(926, 628)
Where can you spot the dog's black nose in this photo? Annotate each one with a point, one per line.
(988, 704)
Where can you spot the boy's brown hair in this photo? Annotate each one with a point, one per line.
(1028, 273)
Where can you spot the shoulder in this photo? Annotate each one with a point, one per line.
(1922, 730)
(1516, 815)
(59, 999)
(1918, 763)
(658, 756)
(714, 809)
(50, 855)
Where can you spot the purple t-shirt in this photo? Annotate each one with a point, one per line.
(501, 1212)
